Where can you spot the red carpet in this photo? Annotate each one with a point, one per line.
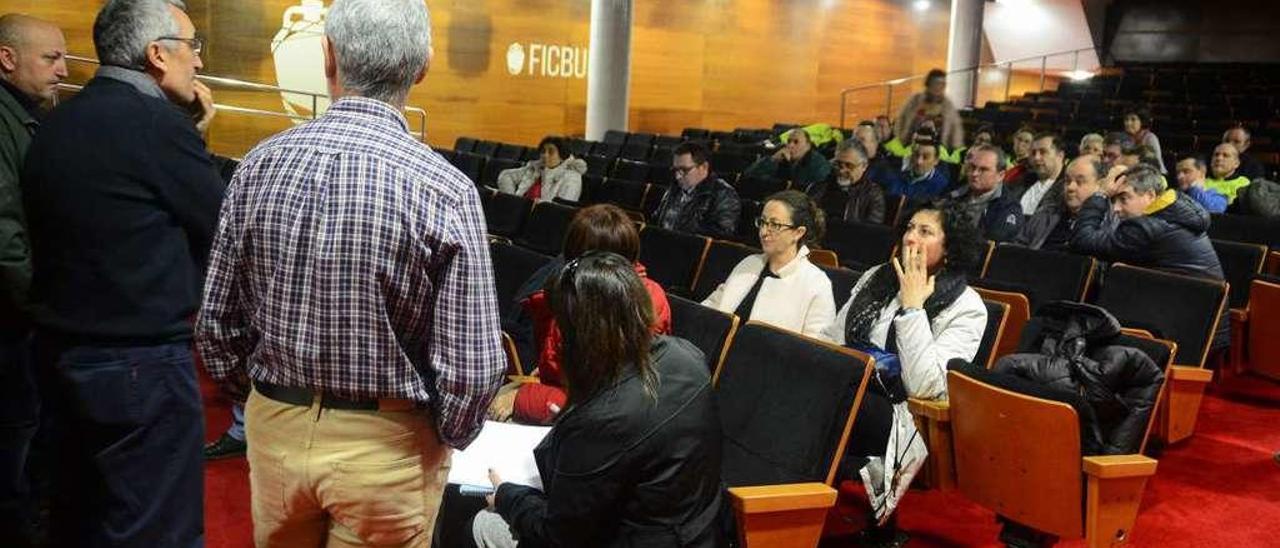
(1220, 488)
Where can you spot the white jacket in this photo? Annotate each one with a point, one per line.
(799, 299)
(924, 346)
(563, 181)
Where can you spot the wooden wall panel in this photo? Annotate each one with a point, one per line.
(718, 64)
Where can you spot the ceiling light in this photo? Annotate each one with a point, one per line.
(1079, 75)
(921, 5)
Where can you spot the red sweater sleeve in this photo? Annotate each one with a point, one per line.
(532, 400)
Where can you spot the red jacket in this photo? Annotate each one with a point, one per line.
(532, 399)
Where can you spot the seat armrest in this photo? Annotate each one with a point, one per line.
(1119, 466)
(786, 497)
(781, 516)
(1191, 374)
(936, 410)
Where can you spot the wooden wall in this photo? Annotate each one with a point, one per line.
(717, 64)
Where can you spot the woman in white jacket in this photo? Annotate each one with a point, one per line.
(919, 308)
(556, 174)
(781, 287)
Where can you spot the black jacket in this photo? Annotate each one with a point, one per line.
(1174, 238)
(713, 210)
(622, 469)
(861, 202)
(1076, 356)
(999, 216)
(122, 201)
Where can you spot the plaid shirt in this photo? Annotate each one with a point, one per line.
(352, 259)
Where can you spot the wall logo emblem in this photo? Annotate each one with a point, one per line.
(515, 59)
(298, 59)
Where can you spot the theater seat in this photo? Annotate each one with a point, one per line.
(860, 245)
(787, 403)
(721, 257)
(707, 328)
(672, 258)
(1264, 327)
(1050, 275)
(1241, 262)
(547, 225)
(504, 214)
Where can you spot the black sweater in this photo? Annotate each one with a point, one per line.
(122, 201)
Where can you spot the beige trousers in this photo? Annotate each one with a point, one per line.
(334, 478)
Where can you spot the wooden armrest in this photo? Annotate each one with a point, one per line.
(1119, 466)
(937, 410)
(1191, 374)
(782, 498)
(522, 379)
(1137, 332)
(1239, 314)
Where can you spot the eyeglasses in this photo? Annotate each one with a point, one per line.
(839, 164)
(197, 45)
(772, 226)
(683, 170)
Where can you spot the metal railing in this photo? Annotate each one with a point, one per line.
(885, 88)
(243, 85)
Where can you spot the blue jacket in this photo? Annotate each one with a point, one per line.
(905, 183)
(1210, 199)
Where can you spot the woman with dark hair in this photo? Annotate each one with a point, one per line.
(555, 174)
(913, 314)
(1137, 124)
(634, 459)
(780, 286)
(600, 227)
(932, 105)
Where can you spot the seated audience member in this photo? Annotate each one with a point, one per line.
(983, 201)
(634, 459)
(1159, 228)
(921, 178)
(781, 287)
(1091, 145)
(1224, 177)
(850, 194)
(879, 161)
(1191, 173)
(700, 202)
(932, 106)
(601, 227)
(1042, 187)
(984, 135)
(918, 311)
(1051, 227)
(556, 174)
(1021, 141)
(1250, 168)
(884, 128)
(798, 161)
(1137, 124)
(1113, 147)
(1138, 154)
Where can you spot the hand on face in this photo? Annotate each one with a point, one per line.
(915, 285)
(202, 108)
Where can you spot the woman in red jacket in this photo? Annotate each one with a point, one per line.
(596, 228)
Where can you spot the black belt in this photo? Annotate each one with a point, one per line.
(305, 397)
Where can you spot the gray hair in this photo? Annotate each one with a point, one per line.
(1001, 158)
(124, 29)
(1144, 179)
(381, 45)
(1091, 137)
(854, 146)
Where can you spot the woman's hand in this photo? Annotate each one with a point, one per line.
(915, 285)
(496, 480)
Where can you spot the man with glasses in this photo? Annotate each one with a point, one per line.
(700, 202)
(994, 213)
(122, 201)
(850, 194)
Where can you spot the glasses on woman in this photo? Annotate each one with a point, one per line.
(772, 226)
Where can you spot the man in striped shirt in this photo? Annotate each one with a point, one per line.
(350, 283)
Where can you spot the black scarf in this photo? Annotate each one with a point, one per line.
(881, 289)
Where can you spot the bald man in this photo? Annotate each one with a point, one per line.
(32, 64)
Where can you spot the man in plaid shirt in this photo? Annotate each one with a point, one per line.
(350, 283)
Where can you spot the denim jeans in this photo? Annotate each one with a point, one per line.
(130, 469)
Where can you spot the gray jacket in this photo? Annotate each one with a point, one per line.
(563, 181)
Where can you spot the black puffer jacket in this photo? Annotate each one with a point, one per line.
(1174, 238)
(712, 210)
(1076, 355)
(624, 470)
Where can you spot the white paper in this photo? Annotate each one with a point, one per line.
(505, 447)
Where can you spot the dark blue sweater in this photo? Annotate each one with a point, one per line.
(122, 201)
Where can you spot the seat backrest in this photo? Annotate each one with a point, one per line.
(1240, 263)
(470, 164)
(485, 148)
(512, 266)
(1017, 455)
(707, 328)
(635, 151)
(672, 258)
(593, 190)
(1017, 313)
(615, 136)
(1054, 276)
(1245, 228)
(842, 282)
(630, 170)
(747, 233)
(547, 225)
(493, 168)
(860, 245)
(786, 405)
(824, 257)
(509, 151)
(1264, 327)
(598, 165)
(505, 214)
(1180, 308)
(756, 187)
(994, 333)
(721, 257)
(625, 193)
(464, 144)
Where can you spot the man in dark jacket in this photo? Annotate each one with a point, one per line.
(32, 63)
(998, 216)
(699, 202)
(850, 195)
(1250, 168)
(798, 162)
(1051, 228)
(122, 201)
